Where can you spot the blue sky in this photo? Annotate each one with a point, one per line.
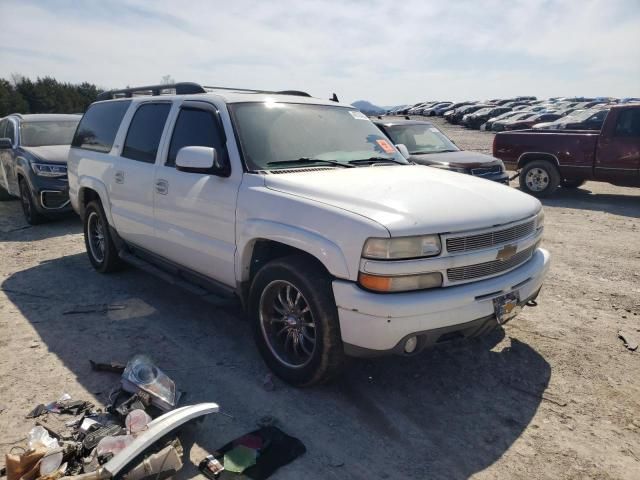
(387, 52)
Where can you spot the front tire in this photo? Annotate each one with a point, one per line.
(31, 215)
(539, 178)
(295, 321)
(101, 250)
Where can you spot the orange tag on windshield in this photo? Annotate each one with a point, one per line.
(386, 146)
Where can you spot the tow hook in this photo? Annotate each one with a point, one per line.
(531, 303)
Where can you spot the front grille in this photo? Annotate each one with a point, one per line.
(482, 171)
(486, 269)
(489, 239)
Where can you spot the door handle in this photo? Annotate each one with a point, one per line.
(119, 176)
(162, 186)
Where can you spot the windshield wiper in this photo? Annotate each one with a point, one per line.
(375, 160)
(305, 160)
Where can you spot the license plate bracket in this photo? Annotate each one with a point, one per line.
(507, 306)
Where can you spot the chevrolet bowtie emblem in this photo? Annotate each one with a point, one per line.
(506, 252)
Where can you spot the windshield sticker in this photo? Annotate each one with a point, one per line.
(386, 146)
(358, 115)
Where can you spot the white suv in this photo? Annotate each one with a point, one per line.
(300, 207)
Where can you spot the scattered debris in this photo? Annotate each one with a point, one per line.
(256, 455)
(141, 375)
(629, 342)
(115, 367)
(211, 467)
(99, 308)
(74, 440)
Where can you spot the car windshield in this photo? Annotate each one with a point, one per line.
(38, 134)
(281, 135)
(584, 114)
(420, 138)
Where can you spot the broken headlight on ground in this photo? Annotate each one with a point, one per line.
(142, 375)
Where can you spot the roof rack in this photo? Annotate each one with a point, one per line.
(184, 88)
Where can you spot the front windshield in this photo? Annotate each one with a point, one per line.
(272, 134)
(420, 138)
(38, 134)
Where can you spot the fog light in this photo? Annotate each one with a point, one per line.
(411, 344)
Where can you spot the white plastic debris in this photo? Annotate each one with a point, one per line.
(39, 437)
(137, 421)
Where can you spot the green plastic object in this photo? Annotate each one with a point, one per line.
(239, 459)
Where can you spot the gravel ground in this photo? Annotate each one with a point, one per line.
(554, 395)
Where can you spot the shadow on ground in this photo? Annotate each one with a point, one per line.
(583, 199)
(447, 413)
(14, 228)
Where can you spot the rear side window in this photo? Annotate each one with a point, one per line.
(196, 128)
(145, 132)
(628, 124)
(99, 125)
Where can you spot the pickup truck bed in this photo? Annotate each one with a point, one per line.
(548, 159)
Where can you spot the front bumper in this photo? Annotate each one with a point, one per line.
(501, 177)
(377, 324)
(50, 195)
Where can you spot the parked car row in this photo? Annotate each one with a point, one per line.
(520, 113)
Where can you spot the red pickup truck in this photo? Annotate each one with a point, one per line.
(547, 159)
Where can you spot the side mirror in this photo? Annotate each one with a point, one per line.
(200, 160)
(403, 150)
(5, 144)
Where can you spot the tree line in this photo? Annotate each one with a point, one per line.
(44, 95)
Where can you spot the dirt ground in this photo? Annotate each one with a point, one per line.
(555, 395)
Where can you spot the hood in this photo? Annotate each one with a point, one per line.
(50, 153)
(410, 200)
(461, 159)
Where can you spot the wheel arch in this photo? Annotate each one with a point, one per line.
(273, 238)
(529, 157)
(89, 190)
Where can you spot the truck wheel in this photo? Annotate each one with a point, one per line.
(31, 215)
(572, 183)
(295, 321)
(97, 239)
(539, 178)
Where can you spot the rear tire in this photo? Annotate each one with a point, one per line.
(101, 250)
(31, 215)
(295, 321)
(572, 183)
(539, 178)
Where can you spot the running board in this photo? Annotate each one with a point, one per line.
(222, 299)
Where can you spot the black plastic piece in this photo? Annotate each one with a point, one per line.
(182, 88)
(188, 88)
(92, 439)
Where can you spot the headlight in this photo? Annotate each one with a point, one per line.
(446, 166)
(402, 247)
(404, 283)
(49, 169)
(540, 219)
